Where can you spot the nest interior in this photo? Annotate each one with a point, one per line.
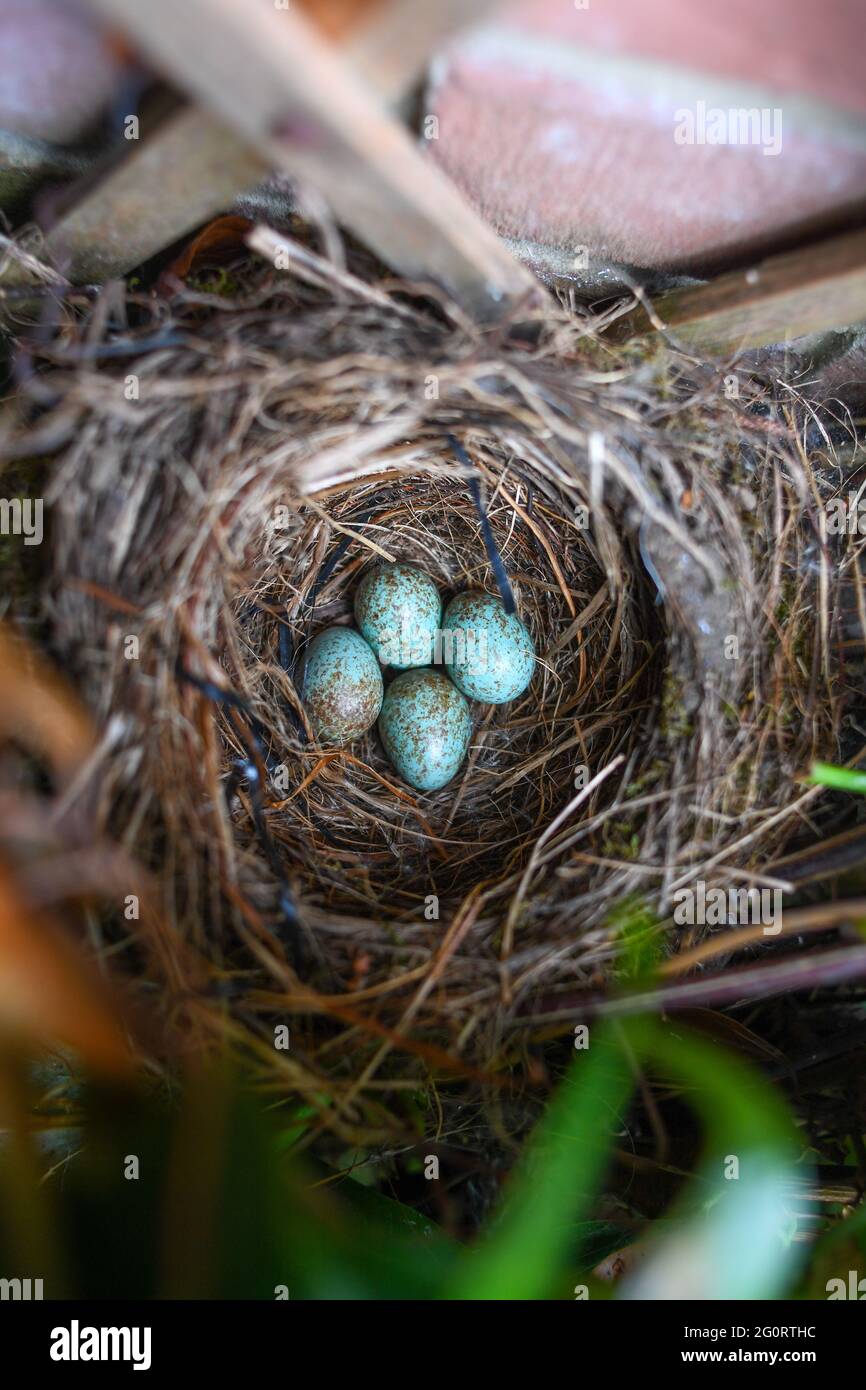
(661, 539)
(360, 840)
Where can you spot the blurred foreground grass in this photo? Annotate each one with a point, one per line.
(196, 1196)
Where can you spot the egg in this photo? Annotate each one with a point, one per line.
(342, 685)
(398, 609)
(425, 726)
(488, 653)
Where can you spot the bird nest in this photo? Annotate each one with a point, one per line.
(225, 491)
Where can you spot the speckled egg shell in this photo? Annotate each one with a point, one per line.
(398, 609)
(489, 653)
(342, 685)
(425, 726)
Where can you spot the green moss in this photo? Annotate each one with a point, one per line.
(218, 282)
(674, 721)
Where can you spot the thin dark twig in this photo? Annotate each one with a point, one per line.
(496, 562)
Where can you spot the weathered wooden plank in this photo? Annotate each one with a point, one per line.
(280, 87)
(189, 170)
(192, 166)
(810, 290)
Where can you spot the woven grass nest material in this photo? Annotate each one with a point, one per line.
(283, 440)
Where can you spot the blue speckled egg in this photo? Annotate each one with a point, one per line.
(425, 726)
(342, 685)
(488, 653)
(398, 609)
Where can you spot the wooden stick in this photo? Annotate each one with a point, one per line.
(281, 88)
(400, 37)
(193, 167)
(810, 290)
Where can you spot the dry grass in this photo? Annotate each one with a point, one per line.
(281, 440)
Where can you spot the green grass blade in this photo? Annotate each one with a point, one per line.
(846, 779)
(555, 1183)
(732, 1238)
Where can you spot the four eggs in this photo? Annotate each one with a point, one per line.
(424, 716)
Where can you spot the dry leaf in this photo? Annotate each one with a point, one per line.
(49, 994)
(214, 243)
(38, 710)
